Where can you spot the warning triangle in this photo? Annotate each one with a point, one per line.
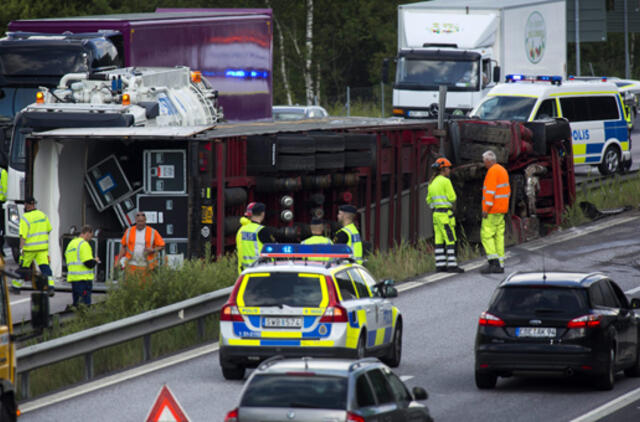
(166, 408)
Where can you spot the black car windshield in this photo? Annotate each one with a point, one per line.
(506, 108)
(458, 75)
(276, 289)
(539, 300)
(302, 391)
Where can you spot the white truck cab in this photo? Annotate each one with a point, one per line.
(595, 111)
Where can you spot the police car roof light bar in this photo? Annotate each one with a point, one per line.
(296, 250)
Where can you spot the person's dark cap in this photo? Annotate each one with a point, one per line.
(30, 200)
(348, 208)
(254, 208)
(316, 221)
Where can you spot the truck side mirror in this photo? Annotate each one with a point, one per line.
(39, 310)
(496, 74)
(385, 71)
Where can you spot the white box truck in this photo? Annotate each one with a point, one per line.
(469, 45)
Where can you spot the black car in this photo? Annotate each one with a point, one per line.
(558, 322)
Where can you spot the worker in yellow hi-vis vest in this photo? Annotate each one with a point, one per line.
(80, 266)
(349, 233)
(317, 237)
(252, 235)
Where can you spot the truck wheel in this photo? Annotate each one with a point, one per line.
(296, 162)
(330, 160)
(610, 161)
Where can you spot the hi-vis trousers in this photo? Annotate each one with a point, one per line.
(492, 236)
(444, 229)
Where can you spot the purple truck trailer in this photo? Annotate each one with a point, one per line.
(231, 47)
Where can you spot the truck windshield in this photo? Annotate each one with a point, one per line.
(42, 61)
(506, 108)
(421, 74)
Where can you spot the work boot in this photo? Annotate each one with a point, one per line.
(491, 267)
(441, 269)
(15, 286)
(498, 269)
(455, 269)
(51, 291)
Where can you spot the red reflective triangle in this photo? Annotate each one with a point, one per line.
(166, 408)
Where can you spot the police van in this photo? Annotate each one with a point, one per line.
(595, 111)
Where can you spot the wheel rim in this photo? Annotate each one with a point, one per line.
(611, 160)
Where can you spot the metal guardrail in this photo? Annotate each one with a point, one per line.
(85, 343)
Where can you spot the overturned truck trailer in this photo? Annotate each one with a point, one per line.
(195, 182)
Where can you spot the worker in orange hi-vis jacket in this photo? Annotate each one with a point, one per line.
(495, 204)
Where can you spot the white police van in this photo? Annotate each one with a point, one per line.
(595, 111)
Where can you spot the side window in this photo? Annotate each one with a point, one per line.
(361, 288)
(619, 294)
(608, 298)
(364, 393)
(346, 286)
(575, 109)
(486, 72)
(398, 388)
(547, 109)
(371, 282)
(596, 295)
(381, 387)
(568, 109)
(603, 108)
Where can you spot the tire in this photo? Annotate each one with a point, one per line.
(330, 160)
(486, 380)
(296, 163)
(294, 143)
(233, 372)
(610, 161)
(607, 379)
(358, 141)
(394, 356)
(363, 158)
(361, 349)
(634, 371)
(328, 141)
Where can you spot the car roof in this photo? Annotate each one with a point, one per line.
(334, 367)
(540, 88)
(553, 279)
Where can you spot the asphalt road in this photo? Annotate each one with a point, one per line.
(440, 322)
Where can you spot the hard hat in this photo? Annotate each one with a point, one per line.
(254, 208)
(441, 163)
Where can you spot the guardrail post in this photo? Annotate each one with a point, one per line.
(200, 327)
(88, 366)
(146, 340)
(24, 385)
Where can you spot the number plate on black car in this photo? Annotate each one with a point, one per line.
(282, 322)
(535, 332)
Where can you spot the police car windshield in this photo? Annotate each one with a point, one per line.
(277, 289)
(506, 108)
(297, 391)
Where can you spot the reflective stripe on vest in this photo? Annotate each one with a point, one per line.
(129, 253)
(76, 270)
(354, 242)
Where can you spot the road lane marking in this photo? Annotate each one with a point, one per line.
(36, 404)
(405, 378)
(632, 291)
(529, 246)
(15, 302)
(610, 407)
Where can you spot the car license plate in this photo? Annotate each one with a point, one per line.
(416, 113)
(282, 322)
(535, 332)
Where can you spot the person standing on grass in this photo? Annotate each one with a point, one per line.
(441, 197)
(495, 204)
(139, 248)
(80, 266)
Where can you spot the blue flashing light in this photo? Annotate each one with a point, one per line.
(571, 77)
(604, 79)
(513, 77)
(296, 250)
(245, 74)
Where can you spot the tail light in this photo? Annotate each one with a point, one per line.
(352, 417)
(335, 313)
(584, 321)
(232, 416)
(230, 313)
(487, 319)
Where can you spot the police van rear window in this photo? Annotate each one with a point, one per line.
(276, 289)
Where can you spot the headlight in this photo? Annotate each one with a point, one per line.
(14, 216)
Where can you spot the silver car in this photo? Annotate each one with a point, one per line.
(327, 390)
(298, 112)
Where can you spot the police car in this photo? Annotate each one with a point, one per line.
(287, 304)
(595, 110)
